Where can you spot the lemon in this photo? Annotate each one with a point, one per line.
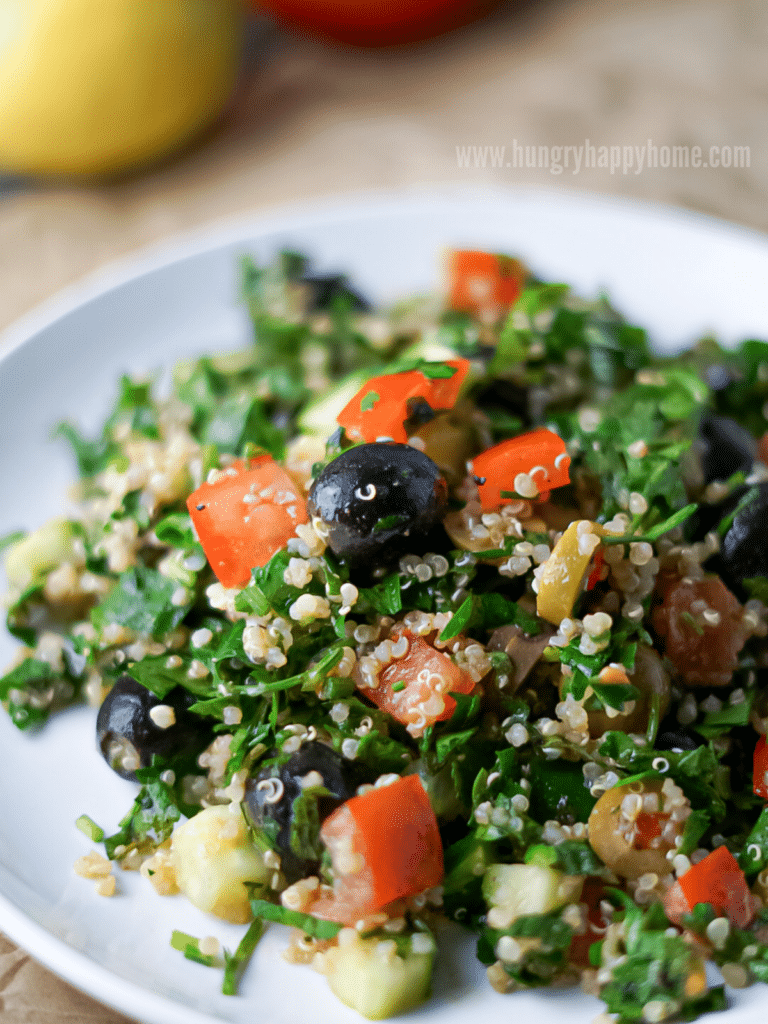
(97, 86)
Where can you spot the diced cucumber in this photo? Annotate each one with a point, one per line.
(29, 560)
(515, 890)
(319, 417)
(371, 977)
(213, 856)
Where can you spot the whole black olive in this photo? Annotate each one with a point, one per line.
(725, 447)
(270, 796)
(129, 734)
(377, 500)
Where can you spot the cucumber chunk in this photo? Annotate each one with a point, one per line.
(370, 976)
(213, 856)
(29, 560)
(515, 890)
(319, 417)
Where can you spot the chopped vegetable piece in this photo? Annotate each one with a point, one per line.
(245, 516)
(384, 846)
(760, 769)
(213, 857)
(375, 978)
(529, 465)
(89, 828)
(703, 648)
(562, 575)
(414, 688)
(719, 881)
(383, 404)
(483, 282)
(632, 841)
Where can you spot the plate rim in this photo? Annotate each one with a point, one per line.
(233, 228)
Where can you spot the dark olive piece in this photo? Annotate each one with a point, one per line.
(744, 545)
(326, 289)
(741, 521)
(267, 801)
(508, 397)
(126, 732)
(725, 447)
(678, 739)
(377, 500)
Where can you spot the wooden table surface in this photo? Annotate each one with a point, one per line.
(313, 120)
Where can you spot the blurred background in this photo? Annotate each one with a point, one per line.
(121, 126)
(308, 116)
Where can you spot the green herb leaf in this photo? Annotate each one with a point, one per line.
(368, 401)
(430, 370)
(190, 947)
(235, 962)
(459, 620)
(282, 915)
(141, 600)
(384, 597)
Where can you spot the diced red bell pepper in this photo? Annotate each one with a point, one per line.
(245, 516)
(539, 455)
(385, 845)
(483, 282)
(596, 575)
(414, 689)
(382, 405)
(760, 769)
(719, 880)
(648, 826)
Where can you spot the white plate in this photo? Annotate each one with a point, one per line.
(677, 273)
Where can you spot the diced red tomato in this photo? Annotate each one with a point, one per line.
(382, 405)
(539, 454)
(243, 518)
(483, 282)
(385, 846)
(719, 880)
(760, 769)
(414, 689)
(703, 653)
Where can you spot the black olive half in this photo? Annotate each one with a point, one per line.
(741, 520)
(377, 499)
(725, 447)
(128, 735)
(270, 796)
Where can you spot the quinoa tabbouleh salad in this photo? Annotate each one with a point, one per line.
(455, 610)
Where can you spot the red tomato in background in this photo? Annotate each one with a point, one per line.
(369, 23)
